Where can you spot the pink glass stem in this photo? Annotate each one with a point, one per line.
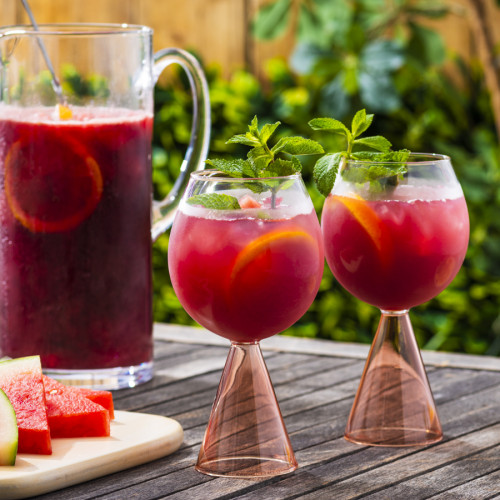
(394, 405)
(245, 436)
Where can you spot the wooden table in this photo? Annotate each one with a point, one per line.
(315, 382)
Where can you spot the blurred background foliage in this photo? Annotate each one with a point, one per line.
(384, 57)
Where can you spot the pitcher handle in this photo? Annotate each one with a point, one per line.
(164, 211)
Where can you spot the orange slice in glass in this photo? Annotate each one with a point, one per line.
(368, 219)
(258, 253)
(52, 185)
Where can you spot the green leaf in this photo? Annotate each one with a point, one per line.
(329, 124)
(246, 139)
(267, 131)
(253, 128)
(297, 146)
(378, 91)
(376, 142)
(259, 158)
(426, 46)
(272, 19)
(382, 56)
(388, 156)
(335, 101)
(358, 174)
(360, 122)
(305, 56)
(307, 27)
(215, 201)
(234, 167)
(325, 172)
(280, 168)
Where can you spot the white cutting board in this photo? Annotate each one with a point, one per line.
(136, 438)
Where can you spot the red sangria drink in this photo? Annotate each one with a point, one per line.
(246, 275)
(76, 242)
(395, 253)
(246, 260)
(395, 235)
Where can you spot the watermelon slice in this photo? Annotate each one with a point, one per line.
(72, 415)
(103, 398)
(21, 380)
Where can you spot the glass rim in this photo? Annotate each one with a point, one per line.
(414, 159)
(81, 29)
(210, 174)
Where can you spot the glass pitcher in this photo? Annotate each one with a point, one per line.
(76, 215)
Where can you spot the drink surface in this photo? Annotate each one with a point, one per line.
(397, 253)
(75, 229)
(245, 277)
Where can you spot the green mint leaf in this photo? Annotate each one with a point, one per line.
(245, 139)
(234, 167)
(360, 122)
(253, 128)
(297, 146)
(358, 174)
(330, 124)
(281, 168)
(259, 158)
(376, 142)
(376, 172)
(325, 172)
(215, 201)
(267, 131)
(388, 156)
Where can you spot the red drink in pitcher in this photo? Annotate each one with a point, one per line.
(245, 277)
(395, 253)
(73, 190)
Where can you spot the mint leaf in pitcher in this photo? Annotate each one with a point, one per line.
(327, 167)
(264, 161)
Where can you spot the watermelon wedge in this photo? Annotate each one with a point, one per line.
(72, 415)
(21, 380)
(103, 398)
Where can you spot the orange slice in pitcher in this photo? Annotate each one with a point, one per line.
(368, 219)
(52, 184)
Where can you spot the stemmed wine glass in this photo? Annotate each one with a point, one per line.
(246, 273)
(395, 244)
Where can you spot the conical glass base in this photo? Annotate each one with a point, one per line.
(245, 436)
(394, 404)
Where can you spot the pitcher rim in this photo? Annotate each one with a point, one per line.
(75, 29)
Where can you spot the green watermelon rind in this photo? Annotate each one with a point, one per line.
(21, 365)
(9, 433)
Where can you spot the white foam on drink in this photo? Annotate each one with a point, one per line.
(97, 115)
(419, 189)
(290, 203)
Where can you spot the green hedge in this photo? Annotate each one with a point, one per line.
(417, 106)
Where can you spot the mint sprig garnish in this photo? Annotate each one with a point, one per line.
(327, 167)
(264, 161)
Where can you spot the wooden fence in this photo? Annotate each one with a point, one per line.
(216, 29)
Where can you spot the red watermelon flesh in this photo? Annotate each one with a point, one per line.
(103, 398)
(21, 380)
(73, 415)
